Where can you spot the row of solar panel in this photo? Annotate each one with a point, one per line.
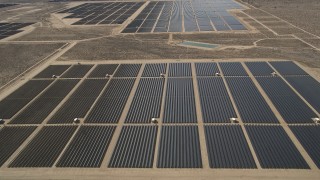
(285, 68)
(179, 146)
(179, 16)
(9, 29)
(103, 13)
(179, 106)
(291, 107)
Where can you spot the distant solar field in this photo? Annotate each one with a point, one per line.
(103, 13)
(186, 16)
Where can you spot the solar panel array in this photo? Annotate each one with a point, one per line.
(102, 13)
(192, 102)
(186, 16)
(220, 139)
(10, 29)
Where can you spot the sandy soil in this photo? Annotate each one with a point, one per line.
(303, 13)
(128, 47)
(16, 58)
(55, 34)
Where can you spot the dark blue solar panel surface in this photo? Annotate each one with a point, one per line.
(110, 105)
(250, 103)
(9, 29)
(154, 70)
(232, 69)
(179, 147)
(289, 104)
(215, 102)
(51, 70)
(15, 101)
(88, 147)
(309, 137)
(135, 147)
(274, 148)
(41, 107)
(102, 13)
(308, 87)
(287, 68)
(128, 70)
(179, 101)
(180, 69)
(45, 147)
(206, 69)
(259, 68)
(227, 147)
(11, 139)
(147, 101)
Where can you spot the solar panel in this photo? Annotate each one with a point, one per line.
(179, 69)
(232, 69)
(308, 87)
(118, 88)
(274, 148)
(88, 147)
(154, 70)
(60, 88)
(9, 107)
(206, 69)
(107, 110)
(39, 109)
(77, 71)
(146, 101)
(178, 145)
(103, 13)
(110, 105)
(212, 87)
(259, 68)
(227, 147)
(51, 70)
(309, 137)
(179, 101)
(194, 15)
(30, 89)
(80, 101)
(290, 106)
(10, 29)
(128, 70)
(102, 70)
(217, 109)
(287, 68)
(89, 88)
(45, 147)
(216, 104)
(11, 139)
(135, 147)
(250, 103)
(71, 109)
(14, 102)
(184, 152)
